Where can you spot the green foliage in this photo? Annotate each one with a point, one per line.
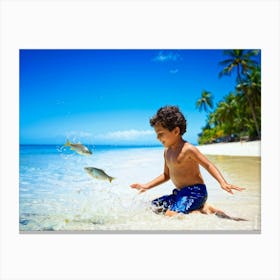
(239, 113)
(205, 102)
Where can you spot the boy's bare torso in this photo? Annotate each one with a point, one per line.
(183, 170)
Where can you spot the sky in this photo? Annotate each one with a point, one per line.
(106, 97)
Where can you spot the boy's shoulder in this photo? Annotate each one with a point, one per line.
(188, 147)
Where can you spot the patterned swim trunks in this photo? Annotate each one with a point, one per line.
(182, 201)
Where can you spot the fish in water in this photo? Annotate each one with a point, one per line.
(79, 148)
(98, 174)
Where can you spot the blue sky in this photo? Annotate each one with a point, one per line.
(108, 96)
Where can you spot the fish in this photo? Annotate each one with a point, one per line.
(79, 148)
(98, 174)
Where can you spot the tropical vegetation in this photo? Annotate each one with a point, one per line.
(238, 115)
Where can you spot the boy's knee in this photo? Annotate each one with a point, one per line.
(170, 213)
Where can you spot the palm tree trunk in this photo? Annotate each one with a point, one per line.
(253, 115)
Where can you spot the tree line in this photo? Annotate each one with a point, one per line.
(238, 115)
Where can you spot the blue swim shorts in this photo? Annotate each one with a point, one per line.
(184, 200)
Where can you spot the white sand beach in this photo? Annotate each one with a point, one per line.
(250, 148)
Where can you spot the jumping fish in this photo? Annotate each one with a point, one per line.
(79, 148)
(98, 174)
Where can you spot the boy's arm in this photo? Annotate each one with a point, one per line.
(212, 169)
(155, 182)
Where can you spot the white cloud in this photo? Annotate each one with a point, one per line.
(170, 56)
(173, 71)
(78, 134)
(131, 134)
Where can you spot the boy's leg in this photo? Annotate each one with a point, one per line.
(209, 209)
(170, 213)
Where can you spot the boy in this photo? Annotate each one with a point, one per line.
(181, 165)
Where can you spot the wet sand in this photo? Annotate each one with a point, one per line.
(244, 172)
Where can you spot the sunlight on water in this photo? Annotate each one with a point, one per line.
(56, 194)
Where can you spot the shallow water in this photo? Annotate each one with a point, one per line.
(56, 194)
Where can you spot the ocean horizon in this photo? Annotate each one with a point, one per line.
(99, 145)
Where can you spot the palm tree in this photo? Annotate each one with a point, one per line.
(226, 113)
(250, 88)
(205, 102)
(239, 59)
(248, 77)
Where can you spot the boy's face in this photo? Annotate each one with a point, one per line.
(166, 137)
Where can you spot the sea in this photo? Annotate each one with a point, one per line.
(56, 195)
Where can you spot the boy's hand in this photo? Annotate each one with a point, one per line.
(141, 187)
(228, 187)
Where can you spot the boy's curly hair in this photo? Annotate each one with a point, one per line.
(170, 117)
